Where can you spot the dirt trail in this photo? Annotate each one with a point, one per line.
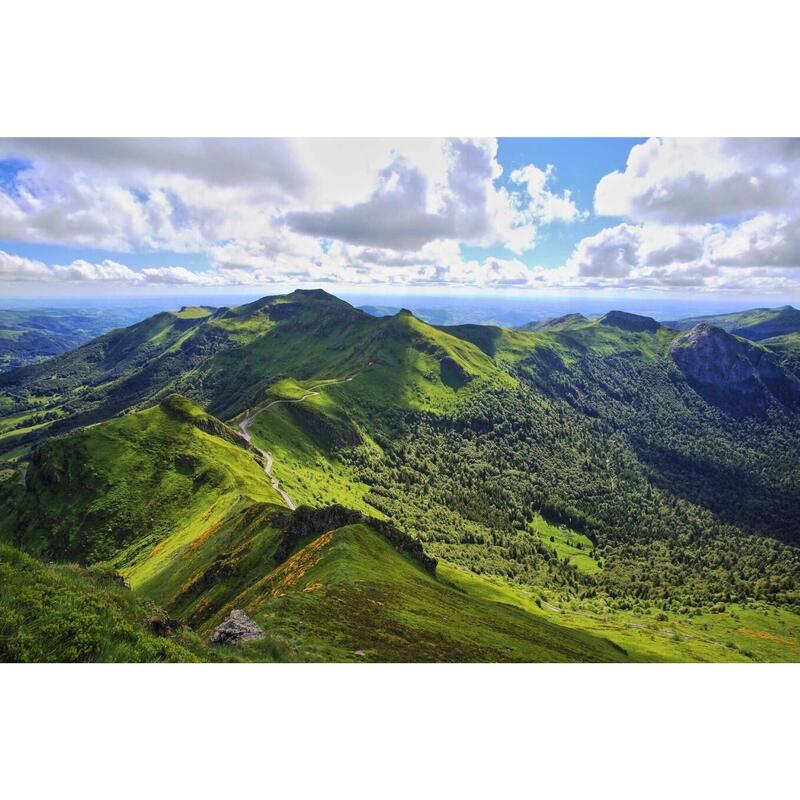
(244, 427)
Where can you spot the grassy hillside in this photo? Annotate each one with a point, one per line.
(228, 359)
(787, 348)
(58, 613)
(567, 544)
(117, 490)
(347, 595)
(575, 473)
(102, 378)
(567, 339)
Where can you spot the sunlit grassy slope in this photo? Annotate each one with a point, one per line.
(787, 347)
(733, 633)
(570, 338)
(147, 481)
(177, 502)
(569, 545)
(305, 461)
(347, 595)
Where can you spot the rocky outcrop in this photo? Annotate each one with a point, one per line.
(238, 627)
(159, 622)
(306, 521)
(710, 357)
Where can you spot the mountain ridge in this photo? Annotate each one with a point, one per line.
(755, 324)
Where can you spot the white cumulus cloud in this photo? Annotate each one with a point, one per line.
(703, 180)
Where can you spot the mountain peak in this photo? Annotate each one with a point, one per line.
(314, 294)
(626, 321)
(555, 323)
(711, 356)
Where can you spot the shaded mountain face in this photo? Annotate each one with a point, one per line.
(629, 322)
(709, 356)
(755, 324)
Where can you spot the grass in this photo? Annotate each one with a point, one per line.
(62, 613)
(568, 545)
(119, 490)
(168, 497)
(736, 634)
(759, 633)
(568, 341)
(347, 595)
(304, 463)
(755, 324)
(229, 360)
(194, 312)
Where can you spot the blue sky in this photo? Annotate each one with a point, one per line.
(580, 164)
(135, 217)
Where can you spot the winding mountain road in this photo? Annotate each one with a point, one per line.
(244, 427)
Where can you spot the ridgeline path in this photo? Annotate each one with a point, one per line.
(244, 427)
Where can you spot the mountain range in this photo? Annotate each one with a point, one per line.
(31, 335)
(326, 484)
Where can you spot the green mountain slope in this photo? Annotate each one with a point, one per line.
(226, 360)
(203, 563)
(787, 348)
(31, 335)
(117, 490)
(62, 613)
(554, 323)
(348, 595)
(602, 467)
(98, 380)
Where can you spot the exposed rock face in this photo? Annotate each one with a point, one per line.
(160, 622)
(708, 355)
(238, 627)
(630, 322)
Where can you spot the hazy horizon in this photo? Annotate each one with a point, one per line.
(484, 308)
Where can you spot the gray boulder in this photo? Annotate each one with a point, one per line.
(238, 627)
